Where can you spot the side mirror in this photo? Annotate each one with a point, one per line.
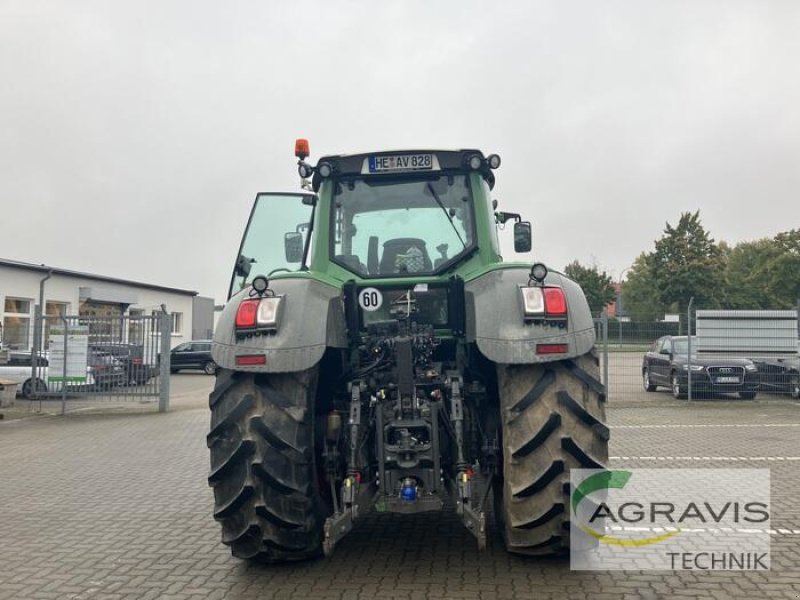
(522, 236)
(293, 246)
(664, 351)
(242, 268)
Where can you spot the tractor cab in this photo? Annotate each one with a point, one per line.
(379, 216)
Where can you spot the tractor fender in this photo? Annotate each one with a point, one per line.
(495, 318)
(311, 319)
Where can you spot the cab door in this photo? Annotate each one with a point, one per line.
(277, 237)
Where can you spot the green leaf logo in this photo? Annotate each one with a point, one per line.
(605, 480)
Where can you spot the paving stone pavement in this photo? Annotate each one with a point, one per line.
(116, 507)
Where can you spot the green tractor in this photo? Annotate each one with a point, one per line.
(376, 352)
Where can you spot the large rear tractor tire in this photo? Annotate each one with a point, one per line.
(262, 465)
(553, 420)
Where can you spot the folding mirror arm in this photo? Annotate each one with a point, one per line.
(504, 217)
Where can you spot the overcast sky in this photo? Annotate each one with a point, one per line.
(134, 135)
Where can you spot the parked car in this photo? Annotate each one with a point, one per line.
(131, 356)
(780, 375)
(18, 370)
(107, 370)
(667, 364)
(193, 355)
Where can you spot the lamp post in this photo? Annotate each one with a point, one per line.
(619, 303)
(37, 346)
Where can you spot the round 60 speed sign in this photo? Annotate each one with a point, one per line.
(370, 299)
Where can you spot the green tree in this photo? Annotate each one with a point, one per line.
(640, 297)
(746, 274)
(783, 272)
(765, 273)
(687, 263)
(596, 285)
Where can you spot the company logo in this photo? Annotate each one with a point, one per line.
(670, 519)
(655, 513)
(606, 480)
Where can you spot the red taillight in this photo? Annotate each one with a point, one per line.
(251, 359)
(551, 348)
(555, 304)
(137, 361)
(246, 314)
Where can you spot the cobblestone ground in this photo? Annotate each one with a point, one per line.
(115, 506)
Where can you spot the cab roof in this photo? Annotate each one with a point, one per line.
(345, 165)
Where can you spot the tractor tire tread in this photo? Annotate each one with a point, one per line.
(262, 467)
(553, 421)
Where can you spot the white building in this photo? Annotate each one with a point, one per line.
(74, 293)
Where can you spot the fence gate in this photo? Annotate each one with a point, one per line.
(101, 358)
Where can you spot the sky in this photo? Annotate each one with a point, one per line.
(134, 135)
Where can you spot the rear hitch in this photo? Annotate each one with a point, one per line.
(340, 523)
(473, 517)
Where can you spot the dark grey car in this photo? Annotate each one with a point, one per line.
(193, 355)
(781, 375)
(667, 365)
(137, 371)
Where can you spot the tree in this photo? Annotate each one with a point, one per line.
(640, 295)
(764, 273)
(687, 263)
(745, 274)
(783, 272)
(596, 285)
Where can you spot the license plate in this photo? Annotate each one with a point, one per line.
(404, 162)
(727, 380)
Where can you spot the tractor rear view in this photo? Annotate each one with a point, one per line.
(376, 352)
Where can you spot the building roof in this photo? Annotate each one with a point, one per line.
(15, 264)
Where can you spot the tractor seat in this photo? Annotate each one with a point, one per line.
(404, 255)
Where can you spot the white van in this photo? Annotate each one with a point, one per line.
(17, 368)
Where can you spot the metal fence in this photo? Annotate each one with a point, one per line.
(122, 358)
(701, 354)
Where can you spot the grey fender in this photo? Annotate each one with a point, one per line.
(312, 319)
(495, 319)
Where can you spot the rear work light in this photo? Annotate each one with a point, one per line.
(259, 314)
(543, 302)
